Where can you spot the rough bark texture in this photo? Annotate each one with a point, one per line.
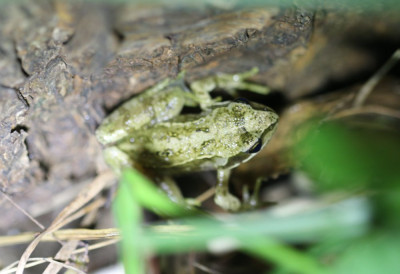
(63, 66)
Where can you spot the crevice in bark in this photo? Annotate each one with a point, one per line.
(19, 61)
(19, 129)
(120, 37)
(21, 97)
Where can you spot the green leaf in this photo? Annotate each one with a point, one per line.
(129, 217)
(377, 253)
(342, 220)
(344, 156)
(286, 257)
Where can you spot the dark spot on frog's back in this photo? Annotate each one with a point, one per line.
(206, 144)
(202, 129)
(173, 134)
(240, 122)
(165, 153)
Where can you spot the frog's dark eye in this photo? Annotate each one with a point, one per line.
(242, 101)
(256, 147)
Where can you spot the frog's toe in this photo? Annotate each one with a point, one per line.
(227, 202)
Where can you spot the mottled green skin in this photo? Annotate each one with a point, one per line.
(150, 130)
(160, 103)
(218, 138)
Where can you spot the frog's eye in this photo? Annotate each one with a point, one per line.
(256, 147)
(242, 101)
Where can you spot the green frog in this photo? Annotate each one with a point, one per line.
(151, 131)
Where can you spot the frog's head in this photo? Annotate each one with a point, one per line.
(245, 128)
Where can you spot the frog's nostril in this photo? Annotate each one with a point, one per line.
(269, 109)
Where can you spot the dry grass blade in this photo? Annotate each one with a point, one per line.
(32, 262)
(38, 261)
(65, 266)
(62, 255)
(63, 235)
(373, 81)
(58, 200)
(97, 245)
(86, 210)
(23, 211)
(206, 195)
(85, 196)
(379, 110)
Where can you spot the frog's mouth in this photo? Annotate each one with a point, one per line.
(266, 136)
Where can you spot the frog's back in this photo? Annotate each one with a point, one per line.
(221, 139)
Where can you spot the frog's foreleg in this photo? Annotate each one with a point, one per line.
(252, 201)
(222, 196)
(201, 91)
(117, 159)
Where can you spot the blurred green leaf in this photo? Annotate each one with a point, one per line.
(342, 220)
(136, 191)
(339, 156)
(286, 257)
(129, 218)
(345, 219)
(377, 253)
(356, 157)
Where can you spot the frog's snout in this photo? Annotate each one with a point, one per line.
(274, 117)
(273, 121)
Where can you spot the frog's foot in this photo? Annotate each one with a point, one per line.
(252, 201)
(227, 201)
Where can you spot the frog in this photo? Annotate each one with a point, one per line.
(151, 131)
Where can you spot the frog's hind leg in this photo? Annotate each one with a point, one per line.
(228, 82)
(222, 196)
(168, 185)
(238, 81)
